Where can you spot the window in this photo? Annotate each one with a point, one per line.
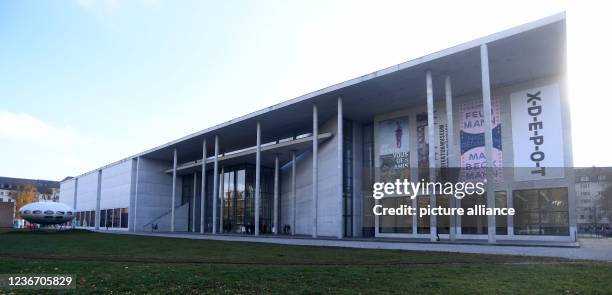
(109, 218)
(116, 218)
(103, 218)
(347, 177)
(238, 199)
(124, 217)
(541, 212)
(423, 223)
(501, 222)
(474, 224)
(367, 176)
(584, 178)
(395, 223)
(443, 220)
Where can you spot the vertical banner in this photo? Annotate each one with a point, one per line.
(537, 133)
(440, 141)
(422, 145)
(472, 140)
(441, 135)
(394, 149)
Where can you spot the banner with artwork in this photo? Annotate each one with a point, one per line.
(537, 133)
(394, 149)
(472, 140)
(422, 145)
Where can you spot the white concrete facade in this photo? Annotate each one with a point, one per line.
(331, 194)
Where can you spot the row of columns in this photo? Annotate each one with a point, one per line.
(488, 134)
(486, 93)
(216, 225)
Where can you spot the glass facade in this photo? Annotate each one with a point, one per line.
(541, 212)
(474, 224)
(395, 223)
(124, 217)
(109, 218)
(367, 180)
(85, 218)
(443, 220)
(347, 177)
(501, 222)
(103, 218)
(238, 199)
(423, 223)
(538, 211)
(187, 197)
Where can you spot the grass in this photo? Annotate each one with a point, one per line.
(106, 263)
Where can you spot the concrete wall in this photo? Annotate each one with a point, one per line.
(66, 194)
(180, 220)
(116, 186)
(87, 192)
(155, 194)
(329, 214)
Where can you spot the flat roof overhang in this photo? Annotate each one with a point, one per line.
(283, 149)
(531, 51)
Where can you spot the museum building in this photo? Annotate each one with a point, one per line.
(306, 166)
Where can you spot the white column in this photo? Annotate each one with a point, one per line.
(315, 172)
(135, 213)
(450, 140)
(275, 222)
(98, 198)
(215, 185)
(203, 190)
(510, 218)
(193, 210)
(221, 197)
(293, 193)
(76, 187)
(488, 133)
(340, 187)
(173, 192)
(257, 178)
(433, 222)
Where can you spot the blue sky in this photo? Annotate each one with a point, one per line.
(84, 83)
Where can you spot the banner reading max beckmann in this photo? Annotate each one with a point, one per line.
(473, 155)
(394, 149)
(536, 133)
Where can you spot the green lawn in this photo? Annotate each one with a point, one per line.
(135, 264)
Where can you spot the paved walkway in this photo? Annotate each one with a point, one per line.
(590, 249)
